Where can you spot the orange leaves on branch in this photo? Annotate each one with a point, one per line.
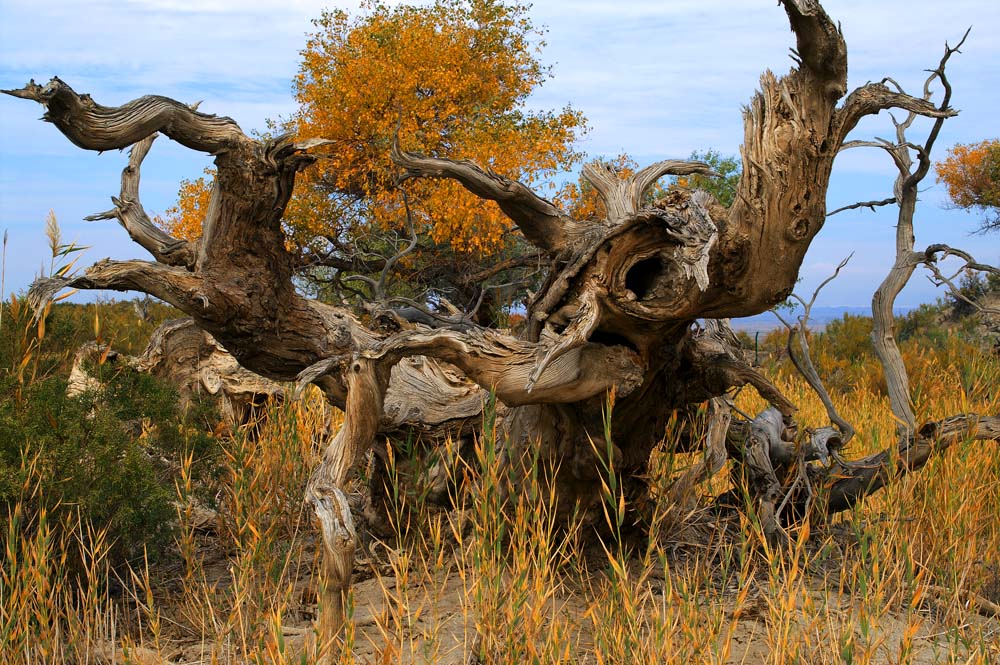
(185, 219)
(452, 79)
(971, 174)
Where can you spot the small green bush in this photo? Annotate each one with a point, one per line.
(849, 338)
(973, 287)
(106, 457)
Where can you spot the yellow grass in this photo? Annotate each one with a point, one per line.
(895, 581)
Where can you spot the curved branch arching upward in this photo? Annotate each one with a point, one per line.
(541, 222)
(132, 216)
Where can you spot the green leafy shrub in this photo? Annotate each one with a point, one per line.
(848, 337)
(68, 326)
(105, 457)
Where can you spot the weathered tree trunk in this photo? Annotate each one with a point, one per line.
(188, 358)
(615, 313)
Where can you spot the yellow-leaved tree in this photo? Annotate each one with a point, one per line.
(971, 174)
(449, 79)
(184, 219)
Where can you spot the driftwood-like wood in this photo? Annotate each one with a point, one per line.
(913, 450)
(133, 218)
(366, 385)
(906, 260)
(188, 358)
(616, 312)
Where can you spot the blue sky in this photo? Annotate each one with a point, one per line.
(656, 78)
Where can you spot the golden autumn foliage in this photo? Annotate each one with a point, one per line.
(971, 173)
(451, 80)
(184, 219)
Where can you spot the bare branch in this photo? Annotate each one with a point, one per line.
(520, 261)
(931, 259)
(897, 151)
(871, 205)
(408, 248)
(836, 273)
(911, 453)
(931, 252)
(712, 354)
(804, 363)
(94, 127)
(336, 260)
(940, 75)
(456, 320)
(874, 97)
(541, 222)
(372, 284)
(171, 284)
(132, 216)
(623, 196)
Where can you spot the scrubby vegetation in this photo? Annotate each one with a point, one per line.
(104, 460)
(843, 350)
(90, 484)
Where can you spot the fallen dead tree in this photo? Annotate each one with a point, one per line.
(191, 361)
(616, 311)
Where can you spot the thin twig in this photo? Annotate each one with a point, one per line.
(804, 364)
(410, 246)
(871, 205)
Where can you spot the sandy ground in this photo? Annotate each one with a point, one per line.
(443, 630)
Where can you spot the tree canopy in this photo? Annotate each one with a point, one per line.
(448, 79)
(971, 174)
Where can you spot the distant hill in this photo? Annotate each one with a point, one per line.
(818, 320)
